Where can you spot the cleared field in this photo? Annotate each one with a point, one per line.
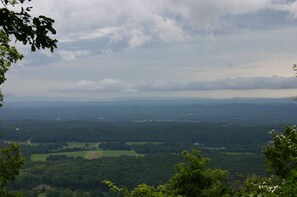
(237, 153)
(34, 144)
(142, 143)
(87, 154)
(88, 145)
(212, 148)
(42, 157)
(93, 154)
(38, 157)
(23, 142)
(117, 153)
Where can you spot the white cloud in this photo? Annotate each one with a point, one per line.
(72, 55)
(240, 83)
(138, 41)
(104, 85)
(138, 38)
(167, 20)
(114, 85)
(168, 31)
(290, 7)
(108, 52)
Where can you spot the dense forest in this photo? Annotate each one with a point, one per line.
(68, 156)
(129, 153)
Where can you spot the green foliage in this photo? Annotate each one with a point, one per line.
(56, 192)
(120, 190)
(10, 164)
(261, 186)
(28, 30)
(281, 159)
(193, 178)
(272, 186)
(289, 187)
(149, 191)
(87, 175)
(142, 190)
(25, 28)
(281, 153)
(8, 55)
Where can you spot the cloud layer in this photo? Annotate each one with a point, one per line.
(121, 47)
(138, 22)
(114, 85)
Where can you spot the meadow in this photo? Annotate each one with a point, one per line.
(89, 150)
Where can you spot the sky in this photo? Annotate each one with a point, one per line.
(165, 48)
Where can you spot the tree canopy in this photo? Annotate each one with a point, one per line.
(10, 163)
(28, 30)
(25, 28)
(193, 178)
(281, 153)
(21, 26)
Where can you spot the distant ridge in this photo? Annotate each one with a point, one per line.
(51, 102)
(235, 110)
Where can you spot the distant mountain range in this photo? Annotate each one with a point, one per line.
(53, 101)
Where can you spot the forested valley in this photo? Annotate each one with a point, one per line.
(148, 98)
(67, 156)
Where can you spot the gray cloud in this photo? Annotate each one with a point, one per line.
(287, 6)
(241, 83)
(114, 85)
(72, 55)
(138, 22)
(104, 85)
(133, 44)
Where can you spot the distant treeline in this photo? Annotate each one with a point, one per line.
(204, 134)
(216, 111)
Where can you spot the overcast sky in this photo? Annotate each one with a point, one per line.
(162, 48)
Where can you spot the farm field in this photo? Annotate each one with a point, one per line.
(237, 153)
(87, 154)
(90, 145)
(69, 144)
(42, 195)
(142, 143)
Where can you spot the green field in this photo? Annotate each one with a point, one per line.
(23, 142)
(87, 145)
(42, 195)
(212, 148)
(70, 144)
(237, 153)
(42, 157)
(87, 154)
(90, 150)
(142, 143)
(118, 153)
